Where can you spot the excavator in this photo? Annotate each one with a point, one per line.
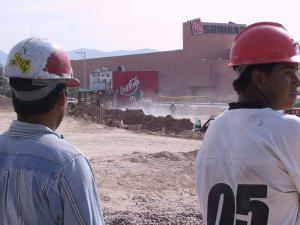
(204, 127)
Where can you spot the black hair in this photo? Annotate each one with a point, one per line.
(25, 109)
(243, 81)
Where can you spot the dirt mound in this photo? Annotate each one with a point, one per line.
(137, 157)
(148, 122)
(134, 119)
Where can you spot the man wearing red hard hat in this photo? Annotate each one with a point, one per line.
(248, 166)
(43, 178)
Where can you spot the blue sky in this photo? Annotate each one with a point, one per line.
(109, 25)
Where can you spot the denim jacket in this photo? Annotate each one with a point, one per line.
(44, 180)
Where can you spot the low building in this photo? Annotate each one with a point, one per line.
(199, 69)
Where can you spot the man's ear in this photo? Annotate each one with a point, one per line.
(259, 79)
(62, 99)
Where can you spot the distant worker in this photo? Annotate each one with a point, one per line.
(43, 178)
(172, 109)
(197, 125)
(248, 166)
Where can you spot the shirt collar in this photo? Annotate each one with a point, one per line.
(246, 105)
(24, 128)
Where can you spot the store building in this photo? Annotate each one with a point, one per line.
(199, 69)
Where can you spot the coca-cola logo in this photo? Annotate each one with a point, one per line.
(131, 87)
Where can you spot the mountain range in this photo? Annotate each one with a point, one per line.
(92, 53)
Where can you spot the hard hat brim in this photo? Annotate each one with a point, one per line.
(73, 82)
(294, 59)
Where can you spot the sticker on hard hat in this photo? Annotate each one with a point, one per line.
(22, 64)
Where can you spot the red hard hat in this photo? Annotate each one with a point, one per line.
(264, 42)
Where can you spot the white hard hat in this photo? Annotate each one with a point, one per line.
(40, 59)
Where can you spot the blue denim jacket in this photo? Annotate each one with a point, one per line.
(44, 180)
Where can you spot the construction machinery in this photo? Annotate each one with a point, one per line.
(202, 128)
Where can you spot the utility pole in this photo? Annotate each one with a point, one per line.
(84, 67)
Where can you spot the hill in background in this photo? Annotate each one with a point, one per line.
(92, 53)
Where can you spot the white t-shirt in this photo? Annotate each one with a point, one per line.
(248, 169)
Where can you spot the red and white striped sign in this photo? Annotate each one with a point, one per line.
(196, 26)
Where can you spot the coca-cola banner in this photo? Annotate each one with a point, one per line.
(135, 86)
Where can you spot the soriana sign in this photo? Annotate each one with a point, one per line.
(196, 26)
(230, 28)
(137, 84)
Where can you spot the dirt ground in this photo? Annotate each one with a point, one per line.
(141, 178)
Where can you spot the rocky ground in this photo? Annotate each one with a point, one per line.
(158, 188)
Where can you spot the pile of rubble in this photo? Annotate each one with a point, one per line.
(136, 120)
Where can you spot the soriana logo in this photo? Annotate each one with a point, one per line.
(196, 26)
(131, 87)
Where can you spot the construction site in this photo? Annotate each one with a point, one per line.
(142, 157)
(143, 164)
(142, 150)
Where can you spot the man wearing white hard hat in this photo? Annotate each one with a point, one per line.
(43, 178)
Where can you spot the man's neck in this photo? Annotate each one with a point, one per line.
(254, 95)
(39, 119)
